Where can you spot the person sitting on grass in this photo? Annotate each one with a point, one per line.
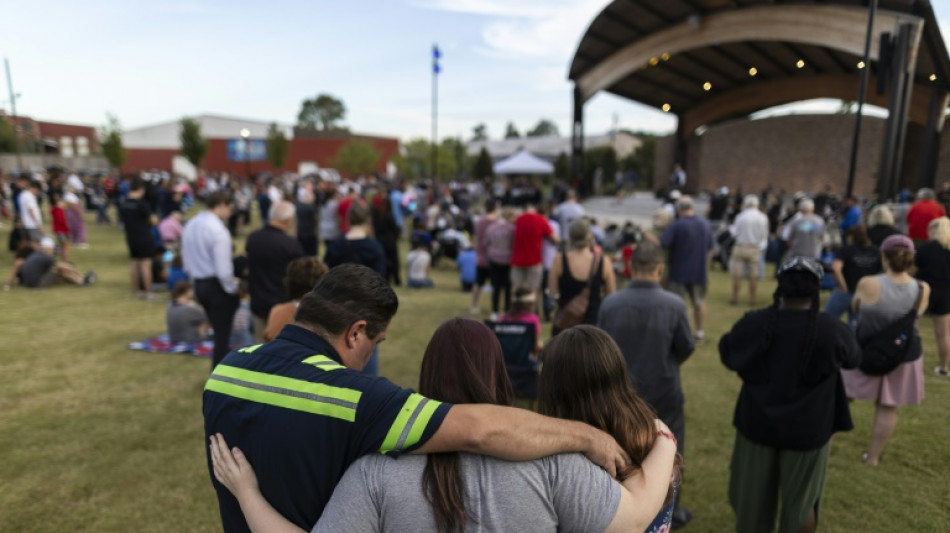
(302, 275)
(185, 320)
(522, 310)
(468, 268)
(419, 261)
(448, 492)
(41, 269)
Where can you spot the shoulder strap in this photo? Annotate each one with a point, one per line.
(593, 271)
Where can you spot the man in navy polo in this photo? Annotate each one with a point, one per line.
(302, 411)
(689, 242)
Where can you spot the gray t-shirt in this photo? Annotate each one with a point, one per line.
(34, 270)
(183, 321)
(559, 493)
(804, 237)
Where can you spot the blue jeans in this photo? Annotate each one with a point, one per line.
(838, 303)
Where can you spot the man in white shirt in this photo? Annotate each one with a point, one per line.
(568, 211)
(206, 256)
(75, 182)
(751, 230)
(31, 218)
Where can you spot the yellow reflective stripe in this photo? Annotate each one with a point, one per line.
(323, 362)
(285, 392)
(410, 423)
(250, 349)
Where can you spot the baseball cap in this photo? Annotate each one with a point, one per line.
(47, 242)
(802, 264)
(897, 243)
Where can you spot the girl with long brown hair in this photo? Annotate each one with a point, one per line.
(457, 492)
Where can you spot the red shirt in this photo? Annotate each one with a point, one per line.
(920, 215)
(530, 231)
(59, 220)
(343, 209)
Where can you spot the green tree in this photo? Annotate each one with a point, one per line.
(511, 131)
(325, 110)
(642, 160)
(110, 142)
(544, 128)
(484, 168)
(562, 167)
(7, 136)
(277, 146)
(450, 151)
(414, 159)
(356, 157)
(480, 132)
(193, 145)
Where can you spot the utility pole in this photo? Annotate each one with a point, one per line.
(436, 68)
(862, 95)
(16, 129)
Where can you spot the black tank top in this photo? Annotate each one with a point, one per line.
(569, 287)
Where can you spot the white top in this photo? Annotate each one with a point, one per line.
(274, 194)
(70, 198)
(206, 250)
(30, 215)
(74, 182)
(418, 261)
(751, 228)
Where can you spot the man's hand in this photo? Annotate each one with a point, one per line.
(605, 452)
(231, 468)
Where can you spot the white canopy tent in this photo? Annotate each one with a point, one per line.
(523, 162)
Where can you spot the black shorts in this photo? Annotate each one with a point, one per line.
(481, 275)
(939, 298)
(141, 249)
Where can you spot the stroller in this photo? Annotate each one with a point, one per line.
(722, 247)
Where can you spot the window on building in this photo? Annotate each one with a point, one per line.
(82, 146)
(66, 146)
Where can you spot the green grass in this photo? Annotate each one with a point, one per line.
(95, 437)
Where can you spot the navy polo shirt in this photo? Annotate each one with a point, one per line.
(302, 418)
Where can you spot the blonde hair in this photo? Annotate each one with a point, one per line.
(662, 218)
(939, 230)
(881, 215)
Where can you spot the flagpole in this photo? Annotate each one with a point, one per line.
(435, 110)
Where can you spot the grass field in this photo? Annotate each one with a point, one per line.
(95, 437)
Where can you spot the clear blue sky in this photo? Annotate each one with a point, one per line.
(150, 62)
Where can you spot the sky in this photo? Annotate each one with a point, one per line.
(153, 62)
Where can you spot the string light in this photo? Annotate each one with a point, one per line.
(860, 64)
(800, 63)
(654, 61)
(753, 71)
(707, 86)
(666, 108)
(933, 77)
(665, 56)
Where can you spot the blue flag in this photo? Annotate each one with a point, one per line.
(436, 55)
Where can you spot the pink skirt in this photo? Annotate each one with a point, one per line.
(902, 386)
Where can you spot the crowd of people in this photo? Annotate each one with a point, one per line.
(296, 341)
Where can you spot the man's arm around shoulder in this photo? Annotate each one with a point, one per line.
(520, 435)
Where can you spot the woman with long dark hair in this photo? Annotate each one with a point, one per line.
(792, 400)
(456, 491)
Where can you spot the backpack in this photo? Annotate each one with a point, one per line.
(883, 351)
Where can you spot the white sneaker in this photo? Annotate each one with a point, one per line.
(699, 335)
(493, 317)
(474, 311)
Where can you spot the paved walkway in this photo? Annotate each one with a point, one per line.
(638, 208)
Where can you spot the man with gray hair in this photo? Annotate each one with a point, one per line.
(751, 230)
(924, 210)
(651, 327)
(269, 251)
(689, 242)
(804, 231)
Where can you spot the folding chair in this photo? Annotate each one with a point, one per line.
(518, 340)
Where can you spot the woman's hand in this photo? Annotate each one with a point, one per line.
(231, 468)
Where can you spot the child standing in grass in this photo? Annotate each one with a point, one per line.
(60, 226)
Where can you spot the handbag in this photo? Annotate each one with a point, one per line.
(883, 351)
(575, 310)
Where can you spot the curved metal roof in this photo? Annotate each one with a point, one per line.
(711, 60)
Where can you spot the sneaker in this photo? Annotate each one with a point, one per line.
(90, 278)
(940, 371)
(493, 317)
(474, 311)
(699, 335)
(83, 246)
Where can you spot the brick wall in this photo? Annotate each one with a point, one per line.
(794, 152)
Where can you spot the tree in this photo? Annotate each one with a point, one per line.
(414, 159)
(193, 145)
(511, 132)
(324, 110)
(356, 157)
(110, 142)
(480, 132)
(562, 167)
(457, 153)
(277, 146)
(544, 128)
(642, 160)
(483, 166)
(7, 136)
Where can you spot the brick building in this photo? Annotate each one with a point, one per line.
(158, 147)
(66, 140)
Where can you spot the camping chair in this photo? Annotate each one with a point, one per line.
(518, 341)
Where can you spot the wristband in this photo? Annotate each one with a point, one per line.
(667, 434)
